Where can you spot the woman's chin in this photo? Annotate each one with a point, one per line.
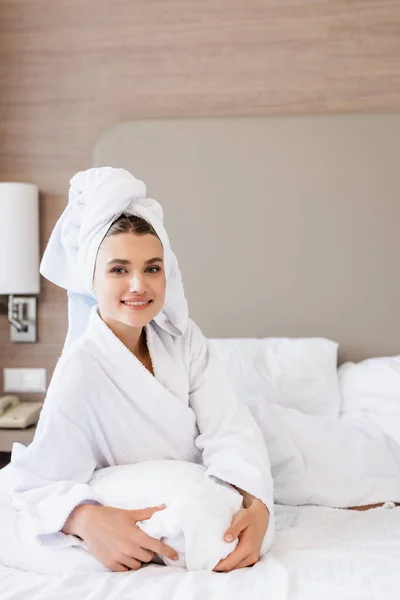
(141, 321)
(138, 318)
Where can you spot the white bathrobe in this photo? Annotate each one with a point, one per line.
(105, 408)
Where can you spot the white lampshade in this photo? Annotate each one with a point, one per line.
(19, 238)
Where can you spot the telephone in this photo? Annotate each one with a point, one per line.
(15, 414)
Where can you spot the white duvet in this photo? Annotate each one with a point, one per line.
(318, 554)
(323, 445)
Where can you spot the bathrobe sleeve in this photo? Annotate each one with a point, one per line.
(51, 475)
(232, 445)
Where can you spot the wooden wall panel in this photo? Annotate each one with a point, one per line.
(70, 68)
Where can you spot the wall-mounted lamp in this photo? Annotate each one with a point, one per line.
(19, 256)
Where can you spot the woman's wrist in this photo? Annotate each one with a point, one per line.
(250, 501)
(257, 505)
(76, 522)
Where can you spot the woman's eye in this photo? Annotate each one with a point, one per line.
(153, 269)
(118, 270)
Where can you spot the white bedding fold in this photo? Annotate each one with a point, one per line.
(326, 461)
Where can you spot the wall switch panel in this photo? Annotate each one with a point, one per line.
(24, 380)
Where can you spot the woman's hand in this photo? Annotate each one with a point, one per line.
(249, 525)
(113, 536)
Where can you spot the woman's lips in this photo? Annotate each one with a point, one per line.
(137, 304)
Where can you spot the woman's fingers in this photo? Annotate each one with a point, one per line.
(249, 561)
(239, 524)
(117, 567)
(233, 559)
(146, 556)
(141, 554)
(112, 533)
(132, 564)
(143, 514)
(149, 543)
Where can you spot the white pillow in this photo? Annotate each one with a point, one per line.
(295, 373)
(370, 392)
(198, 512)
(199, 509)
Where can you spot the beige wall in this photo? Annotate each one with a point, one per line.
(69, 68)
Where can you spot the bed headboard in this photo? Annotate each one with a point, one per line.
(283, 226)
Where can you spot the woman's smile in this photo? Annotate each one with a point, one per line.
(136, 304)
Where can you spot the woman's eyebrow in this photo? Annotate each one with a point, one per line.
(121, 261)
(153, 260)
(124, 261)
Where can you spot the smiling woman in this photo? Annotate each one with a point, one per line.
(129, 281)
(140, 383)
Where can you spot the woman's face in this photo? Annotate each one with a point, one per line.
(129, 280)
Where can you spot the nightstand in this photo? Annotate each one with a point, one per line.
(9, 436)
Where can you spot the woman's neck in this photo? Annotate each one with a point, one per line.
(133, 338)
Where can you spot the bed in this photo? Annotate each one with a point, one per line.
(300, 214)
(318, 553)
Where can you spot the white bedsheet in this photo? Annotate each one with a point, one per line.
(318, 554)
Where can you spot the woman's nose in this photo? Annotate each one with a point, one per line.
(137, 284)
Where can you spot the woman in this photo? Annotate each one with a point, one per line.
(138, 384)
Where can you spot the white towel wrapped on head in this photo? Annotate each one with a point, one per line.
(97, 198)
